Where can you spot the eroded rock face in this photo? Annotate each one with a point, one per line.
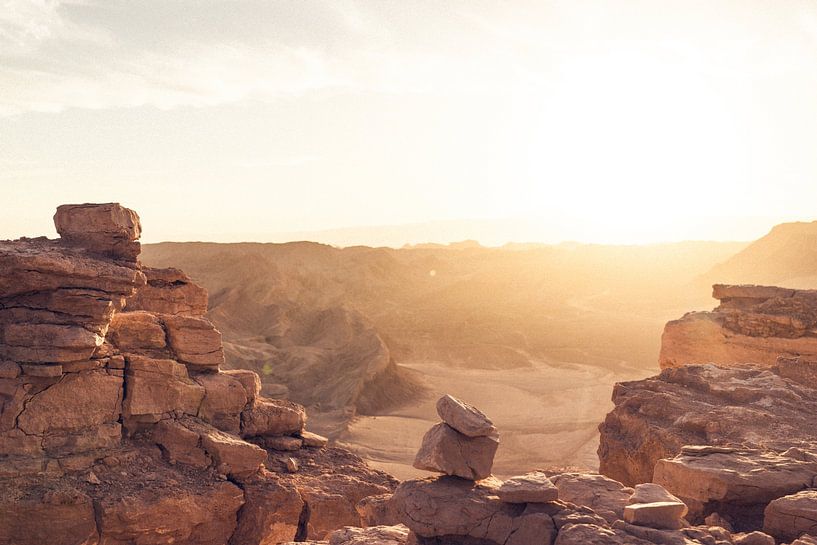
(736, 483)
(75, 367)
(699, 405)
(753, 324)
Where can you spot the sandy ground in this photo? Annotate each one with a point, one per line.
(547, 415)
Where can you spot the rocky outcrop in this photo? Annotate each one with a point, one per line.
(703, 405)
(752, 324)
(529, 509)
(118, 426)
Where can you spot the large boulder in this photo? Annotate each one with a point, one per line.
(169, 291)
(225, 397)
(445, 450)
(272, 417)
(792, 516)
(271, 512)
(533, 487)
(603, 495)
(736, 483)
(108, 229)
(194, 341)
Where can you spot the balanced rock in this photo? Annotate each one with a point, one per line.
(533, 487)
(464, 418)
(108, 229)
(447, 451)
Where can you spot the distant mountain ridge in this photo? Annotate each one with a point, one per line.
(786, 256)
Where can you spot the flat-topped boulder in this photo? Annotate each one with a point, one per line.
(533, 487)
(605, 496)
(108, 229)
(653, 506)
(736, 483)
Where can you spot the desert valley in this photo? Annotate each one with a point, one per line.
(134, 411)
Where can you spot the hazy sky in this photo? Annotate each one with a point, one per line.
(623, 121)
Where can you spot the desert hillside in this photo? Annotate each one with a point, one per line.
(377, 333)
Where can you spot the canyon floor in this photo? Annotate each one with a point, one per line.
(548, 414)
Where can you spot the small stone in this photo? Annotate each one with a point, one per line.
(464, 418)
(661, 515)
(753, 538)
(92, 478)
(533, 487)
(292, 465)
(313, 439)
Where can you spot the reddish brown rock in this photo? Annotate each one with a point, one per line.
(48, 343)
(533, 487)
(108, 229)
(272, 417)
(60, 518)
(225, 397)
(157, 387)
(179, 443)
(232, 456)
(375, 535)
(271, 512)
(137, 332)
(603, 495)
(169, 291)
(152, 518)
(378, 510)
(194, 341)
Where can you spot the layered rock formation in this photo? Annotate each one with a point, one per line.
(752, 324)
(734, 439)
(117, 425)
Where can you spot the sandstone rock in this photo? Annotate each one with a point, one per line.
(194, 341)
(805, 540)
(237, 458)
(139, 332)
(225, 397)
(248, 379)
(739, 483)
(791, 516)
(270, 514)
(267, 417)
(169, 291)
(602, 494)
(798, 369)
(374, 535)
(156, 387)
(652, 492)
(378, 510)
(149, 518)
(66, 518)
(109, 229)
(292, 464)
(464, 418)
(313, 439)
(753, 324)
(701, 404)
(78, 401)
(530, 488)
(48, 343)
(447, 451)
(660, 514)
(179, 443)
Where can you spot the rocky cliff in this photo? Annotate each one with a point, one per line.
(752, 324)
(733, 439)
(117, 425)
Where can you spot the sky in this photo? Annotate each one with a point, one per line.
(406, 121)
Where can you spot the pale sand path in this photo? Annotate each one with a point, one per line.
(547, 415)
